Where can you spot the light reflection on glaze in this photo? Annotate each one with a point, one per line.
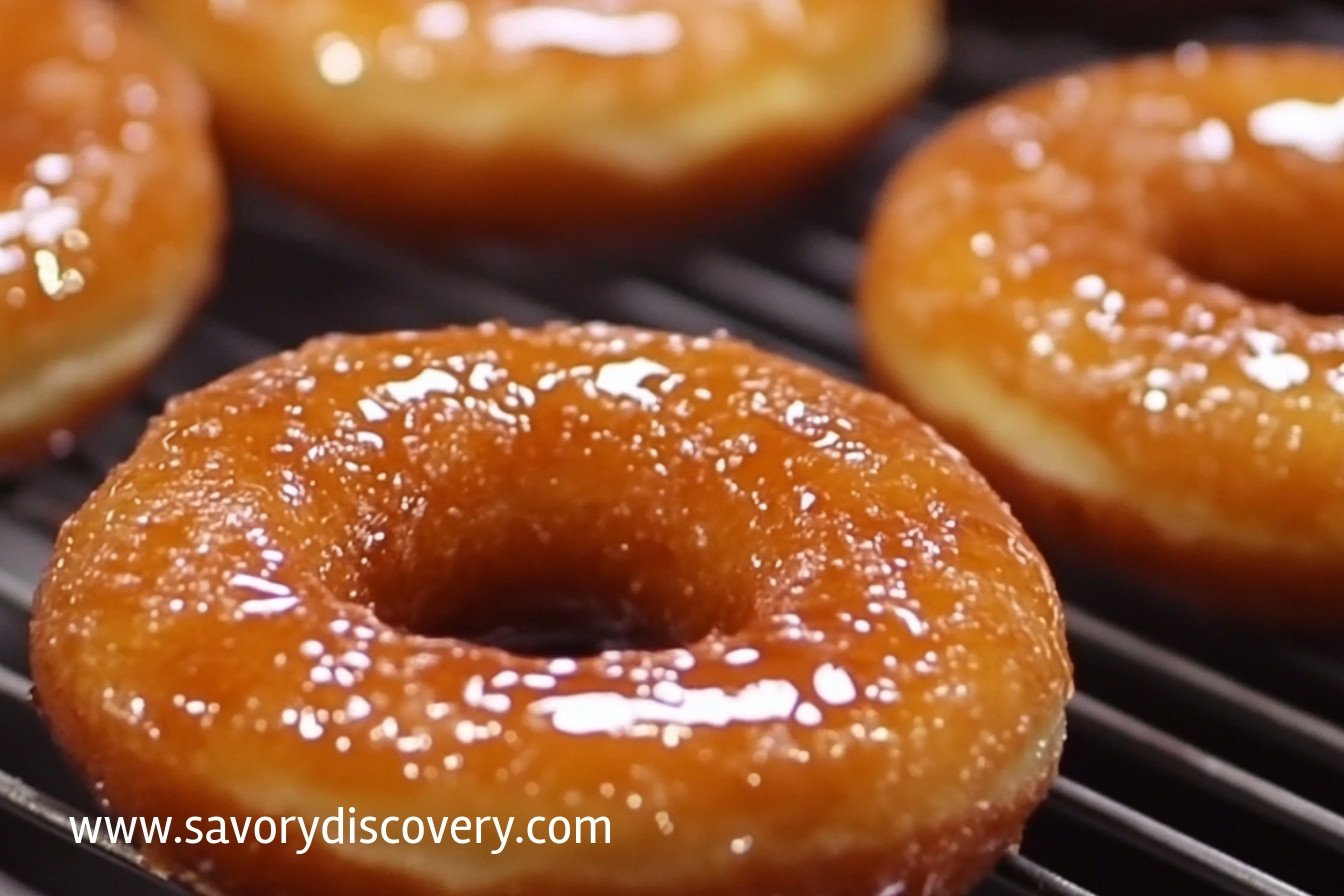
(45, 231)
(339, 60)
(1270, 364)
(430, 381)
(833, 685)
(624, 379)
(609, 712)
(267, 606)
(1211, 142)
(584, 31)
(442, 20)
(1316, 129)
(412, 46)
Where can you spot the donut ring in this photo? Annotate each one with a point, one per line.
(110, 208)
(550, 120)
(1046, 282)
(857, 671)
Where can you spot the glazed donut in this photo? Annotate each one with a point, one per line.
(831, 662)
(1081, 284)
(561, 119)
(109, 213)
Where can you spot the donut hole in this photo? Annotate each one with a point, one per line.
(1269, 274)
(1276, 245)
(560, 588)
(550, 621)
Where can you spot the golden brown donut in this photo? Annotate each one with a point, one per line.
(109, 212)
(848, 672)
(1081, 283)
(550, 119)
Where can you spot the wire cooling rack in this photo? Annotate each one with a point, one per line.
(1204, 757)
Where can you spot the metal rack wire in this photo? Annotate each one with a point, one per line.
(1204, 758)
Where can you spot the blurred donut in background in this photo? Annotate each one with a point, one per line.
(550, 120)
(1117, 291)
(110, 213)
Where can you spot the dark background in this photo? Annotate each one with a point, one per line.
(1144, 808)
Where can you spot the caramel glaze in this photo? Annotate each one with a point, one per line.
(869, 691)
(109, 212)
(555, 120)
(1078, 282)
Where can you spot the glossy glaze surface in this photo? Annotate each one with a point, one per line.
(1084, 283)
(109, 210)
(871, 681)
(483, 118)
